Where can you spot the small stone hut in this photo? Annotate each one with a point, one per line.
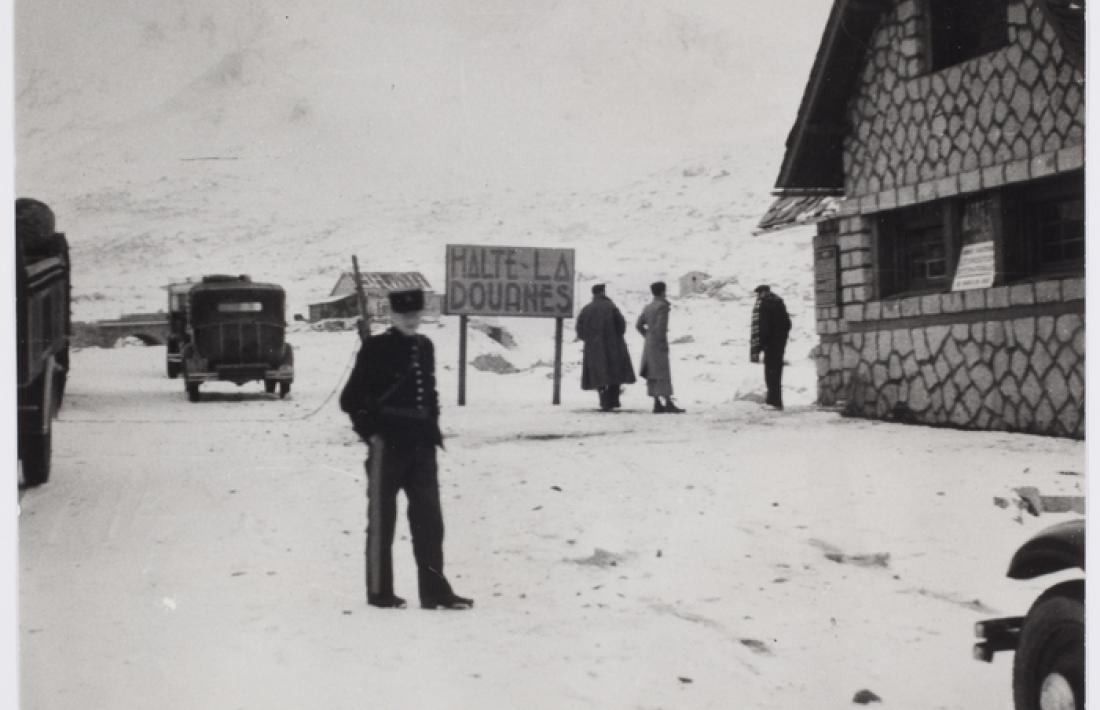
(692, 282)
(341, 301)
(949, 281)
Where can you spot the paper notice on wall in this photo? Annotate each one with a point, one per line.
(977, 267)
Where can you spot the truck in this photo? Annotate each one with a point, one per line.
(236, 332)
(43, 295)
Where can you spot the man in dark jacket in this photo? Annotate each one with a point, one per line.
(393, 404)
(770, 326)
(606, 360)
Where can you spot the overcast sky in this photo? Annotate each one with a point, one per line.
(545, 92)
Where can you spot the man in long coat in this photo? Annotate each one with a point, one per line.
(606, 360)
(770, 327)
(655, 369)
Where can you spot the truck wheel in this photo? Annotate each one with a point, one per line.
(269, 386)
(284, 389)
(173, 369)
(193, 391)
(1048, 672)
(59, 378)
(62, 377)
(35, 451)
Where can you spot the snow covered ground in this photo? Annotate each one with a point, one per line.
(210, 555)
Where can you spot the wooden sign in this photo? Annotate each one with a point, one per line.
(519, 282)
(826, 276)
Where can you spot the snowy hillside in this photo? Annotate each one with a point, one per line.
(277, 139)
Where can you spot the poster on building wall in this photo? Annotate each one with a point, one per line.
(524, 282)
(977, 267)
(826, 279)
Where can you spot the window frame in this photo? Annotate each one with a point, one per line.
(1023, 260)
(888, 241)
(934, 42)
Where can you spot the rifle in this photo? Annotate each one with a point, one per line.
(361, 299)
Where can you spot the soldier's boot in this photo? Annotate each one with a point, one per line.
(450, 601)
(386, 601)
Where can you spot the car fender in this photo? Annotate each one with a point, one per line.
(1056, 548)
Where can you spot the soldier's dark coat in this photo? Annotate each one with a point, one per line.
(391, 390)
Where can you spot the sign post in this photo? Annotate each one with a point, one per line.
(463, 321)
(558, 323)
(516, 282)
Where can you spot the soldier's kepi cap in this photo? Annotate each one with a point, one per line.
(762, 288)
(406, 301)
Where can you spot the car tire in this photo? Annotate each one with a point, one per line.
(1048, 672)
(193, 391)
(284, 389)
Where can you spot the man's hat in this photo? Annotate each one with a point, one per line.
(597, 289)
(762, 288)
(406, 301)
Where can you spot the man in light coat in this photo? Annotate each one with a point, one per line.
(606, 360)
(653, 325)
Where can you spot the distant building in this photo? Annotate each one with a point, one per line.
(342, 303)
(692, 282)
(949, 270)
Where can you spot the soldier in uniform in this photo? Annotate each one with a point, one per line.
(393, 404)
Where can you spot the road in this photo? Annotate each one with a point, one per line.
(209, 555)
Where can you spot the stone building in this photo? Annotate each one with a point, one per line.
(950, 279)
(342, 303)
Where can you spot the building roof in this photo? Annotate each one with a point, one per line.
(334, 299)
(385, 280)
(1068, 19)
(793, 210)
(814, 157)
(813, 164)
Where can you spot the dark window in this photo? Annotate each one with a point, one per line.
(913, 250)
(1060, 231)
(1049, 238)
(964, 30)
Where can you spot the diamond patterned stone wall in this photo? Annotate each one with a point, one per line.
(910, 128)
(1004, 371)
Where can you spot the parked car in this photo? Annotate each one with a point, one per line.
(236, 331)
(1048, 671)
(177, 326)
(43, 329)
